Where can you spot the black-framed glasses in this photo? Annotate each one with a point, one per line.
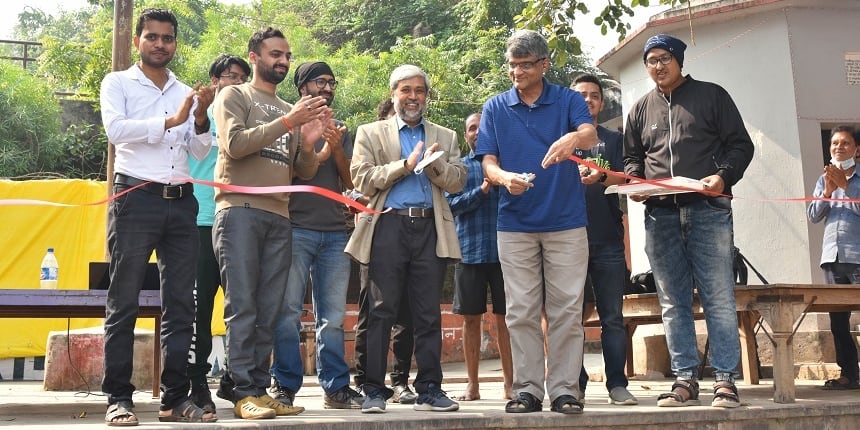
(235, 77)
(322, 82)
(664, 59)
(525, 65)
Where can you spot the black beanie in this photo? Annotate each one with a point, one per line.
(663, 41)
(307, 71)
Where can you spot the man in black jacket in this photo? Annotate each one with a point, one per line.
(692, 129)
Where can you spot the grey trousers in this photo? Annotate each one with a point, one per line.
(254, 251)
(545, 270)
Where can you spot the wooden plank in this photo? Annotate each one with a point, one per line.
(29, 303)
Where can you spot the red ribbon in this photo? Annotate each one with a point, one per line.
(635, 179)
(329, 194)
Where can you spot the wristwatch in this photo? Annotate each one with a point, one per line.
(603, 177)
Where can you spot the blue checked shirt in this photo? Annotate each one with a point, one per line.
(842, 227)
(476, 214)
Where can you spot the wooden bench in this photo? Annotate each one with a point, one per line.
(15, 303)
(643, 309)
(782, 306)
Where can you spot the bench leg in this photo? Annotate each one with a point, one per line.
(631, 328)
(749, 353)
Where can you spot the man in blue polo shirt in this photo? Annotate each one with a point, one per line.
(526, 136)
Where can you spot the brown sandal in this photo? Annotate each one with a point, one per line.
(675, 399)
(723, 399)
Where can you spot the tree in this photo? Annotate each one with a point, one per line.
(554, 18)
(459, 43)
(29, 123)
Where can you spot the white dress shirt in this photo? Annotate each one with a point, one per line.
(133, 113)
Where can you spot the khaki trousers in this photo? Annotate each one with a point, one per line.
(545, 270)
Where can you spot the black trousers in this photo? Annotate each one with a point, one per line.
(402, 342)
(840, 325)
(206, 287)
(138, 223)
(403, 263)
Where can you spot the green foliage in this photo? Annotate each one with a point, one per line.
(555, 18)
(459, 43)
(29, 123)
(375, 25)
(85, 147)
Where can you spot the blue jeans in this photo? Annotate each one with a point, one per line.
(317, 255)
(691, 247)
(606, 269)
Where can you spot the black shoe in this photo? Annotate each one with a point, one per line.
(403, 395)
(225, 388)
(202, 398)
(345, 398)
(283, 394)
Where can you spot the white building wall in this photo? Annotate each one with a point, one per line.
(784, 68)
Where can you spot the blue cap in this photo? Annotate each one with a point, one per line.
(663, 41)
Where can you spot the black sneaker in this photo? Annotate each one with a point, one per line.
(403, 395)
(225, 388)
(435, 400)
(282, 394)
(345, 398)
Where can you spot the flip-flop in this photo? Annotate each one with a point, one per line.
(118, 410)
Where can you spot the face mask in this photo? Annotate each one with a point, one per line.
(844, 164)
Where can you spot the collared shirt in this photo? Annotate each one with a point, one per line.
(413, 191)
(133, 114)
(475, 214)
(842, 221)
(520, 135)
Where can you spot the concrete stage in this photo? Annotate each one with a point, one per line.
(26, 405)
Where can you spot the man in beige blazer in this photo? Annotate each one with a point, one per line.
(403, 165)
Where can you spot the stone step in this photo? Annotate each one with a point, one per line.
(74, 360)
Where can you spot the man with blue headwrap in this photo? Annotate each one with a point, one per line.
(690, 128)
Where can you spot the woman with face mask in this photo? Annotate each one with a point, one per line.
(840, 254)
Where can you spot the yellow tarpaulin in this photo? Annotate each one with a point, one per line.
(78, 236)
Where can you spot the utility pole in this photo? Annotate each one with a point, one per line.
(120, 60)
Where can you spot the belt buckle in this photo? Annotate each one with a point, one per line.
(170, 192)
(419, 214)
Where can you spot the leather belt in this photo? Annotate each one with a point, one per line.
(167, 192)
(415, 212)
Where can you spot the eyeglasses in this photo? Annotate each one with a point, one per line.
(235, 78)
(525, 65)
(322, 82)
(664, 59)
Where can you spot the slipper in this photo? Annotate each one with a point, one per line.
(121, 410)
(524, 403)
(566, 404)
(837, 384)
(187, 412)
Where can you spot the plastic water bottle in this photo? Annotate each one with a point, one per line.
(50, 270)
